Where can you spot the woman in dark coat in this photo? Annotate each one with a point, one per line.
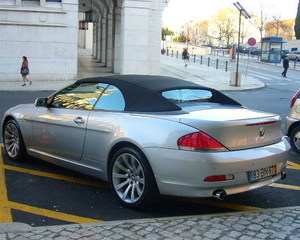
(25, 71)
(185, 56)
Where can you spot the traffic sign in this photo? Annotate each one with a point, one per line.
(251, 41)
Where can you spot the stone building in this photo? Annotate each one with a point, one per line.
(126, 36)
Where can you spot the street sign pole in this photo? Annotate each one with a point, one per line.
(247, 16)
(238, 52)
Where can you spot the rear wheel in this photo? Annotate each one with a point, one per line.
(13, 142)
(295, 139)
(131, 178)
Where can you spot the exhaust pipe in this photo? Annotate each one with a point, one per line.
(283, 175)
(219, 194)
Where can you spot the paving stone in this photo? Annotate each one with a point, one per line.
(261, 225)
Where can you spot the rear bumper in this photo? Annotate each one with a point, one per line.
(182, 173)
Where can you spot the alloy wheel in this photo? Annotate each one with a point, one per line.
(11, 139)
(128, 178)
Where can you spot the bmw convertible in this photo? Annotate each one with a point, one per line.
(150, 136)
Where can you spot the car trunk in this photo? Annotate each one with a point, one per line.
(234, 127)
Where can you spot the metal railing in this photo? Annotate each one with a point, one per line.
(219, 63)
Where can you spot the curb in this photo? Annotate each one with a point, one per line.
(22, 227)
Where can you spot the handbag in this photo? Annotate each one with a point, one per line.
(25, 70)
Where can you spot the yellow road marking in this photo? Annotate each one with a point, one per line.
(57, 176)
(51, 214)
(5, 211)
(292, 165)
(285, 186)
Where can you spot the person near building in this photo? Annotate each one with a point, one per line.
(185, 56)
(25, 71)
(285, 65)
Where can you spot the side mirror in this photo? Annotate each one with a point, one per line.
(41, 102)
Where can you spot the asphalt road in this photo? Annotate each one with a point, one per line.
(39, 193)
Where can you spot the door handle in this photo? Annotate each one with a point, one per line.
(78, 120)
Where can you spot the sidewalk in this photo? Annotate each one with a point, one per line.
(282, 223)
(89, 67)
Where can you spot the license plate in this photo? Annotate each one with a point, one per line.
(262, 173)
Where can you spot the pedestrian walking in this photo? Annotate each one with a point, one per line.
(185, 56)
(25, 71)
(285, 65)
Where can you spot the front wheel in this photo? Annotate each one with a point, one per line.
(131, 178)
(13, 142)
(295, 139)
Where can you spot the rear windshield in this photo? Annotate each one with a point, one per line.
(188, 95)
(185, 96)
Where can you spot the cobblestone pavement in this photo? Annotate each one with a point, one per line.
(282, 223)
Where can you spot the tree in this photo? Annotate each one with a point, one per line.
(165, 32)
(297, 23)
(225, 22)
(261, 22)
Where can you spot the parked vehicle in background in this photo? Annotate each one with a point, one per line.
(295, 55)
(292, 122)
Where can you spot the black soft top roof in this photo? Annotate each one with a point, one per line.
(142, 93)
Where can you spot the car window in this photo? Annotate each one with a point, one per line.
(78, 96)
(188, 95)
(111, 99)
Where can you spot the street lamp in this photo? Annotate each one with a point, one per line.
(243, 12)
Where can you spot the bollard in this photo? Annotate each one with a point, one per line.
(167, 51)
(226, 66)
(194, 58)
(172, 52)
(208, 61)
(295, 63)
(201, 60)
(217, 64)
(177, 54)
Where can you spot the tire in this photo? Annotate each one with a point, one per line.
(13, 141)
(295, 139)
(131, 179)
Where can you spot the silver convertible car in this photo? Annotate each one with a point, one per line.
(151, 135)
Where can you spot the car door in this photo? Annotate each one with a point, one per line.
(104, 125)
(59, 129)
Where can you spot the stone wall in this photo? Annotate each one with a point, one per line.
(45, 32)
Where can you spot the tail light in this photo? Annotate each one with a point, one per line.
(294, 98)
(199, 141)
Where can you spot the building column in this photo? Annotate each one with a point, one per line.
(117, 47)
(94, 50)
(103, 40)
(110, 40)
(99, 43)
(140, 36)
